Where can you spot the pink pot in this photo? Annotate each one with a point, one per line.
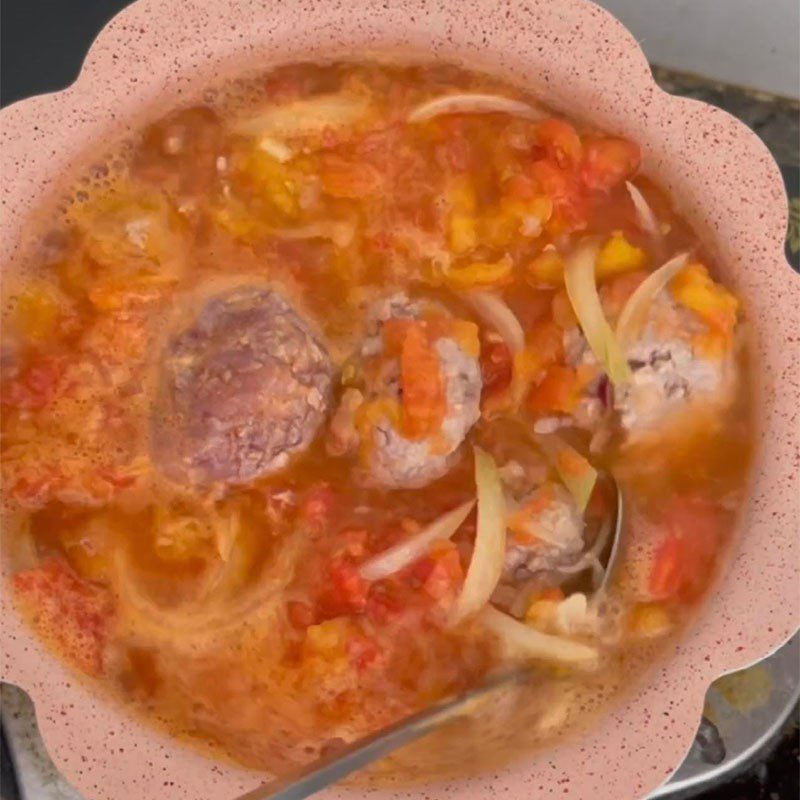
(579, 59)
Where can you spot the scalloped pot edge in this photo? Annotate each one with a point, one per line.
(580, 59)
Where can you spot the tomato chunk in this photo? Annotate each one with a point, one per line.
(564, 188)
(346, 591)
(609, 161)
(684, 560)
(36, 387)
(317, 507)
(560, 390)
(560, 141)
(72, 614)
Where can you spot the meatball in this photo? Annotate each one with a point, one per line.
(398, 462)
(393, 460)
(668, 375)
(242, 388)
(546, 534)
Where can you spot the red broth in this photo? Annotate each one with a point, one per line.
(219, 581)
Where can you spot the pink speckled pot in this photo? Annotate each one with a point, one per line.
(578, 58)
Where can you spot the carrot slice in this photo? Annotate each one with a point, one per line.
(424, 402)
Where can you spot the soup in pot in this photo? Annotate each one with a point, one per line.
(316, 399)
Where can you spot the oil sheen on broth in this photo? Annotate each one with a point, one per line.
(309, 395)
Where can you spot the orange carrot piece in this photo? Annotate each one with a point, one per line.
(559, 391)
(424, 402)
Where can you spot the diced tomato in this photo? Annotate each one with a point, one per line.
(446, 573)
(560, 141)
(301, 615)
(384, 603)
(318, 506)
(36, 387)
(364, 652)
(683, 562)
(352, 542)
(69, 612)
(496, 366)
(32, 486)
(609, 161)
(349, 179)
(424, 402)
(521, 187)
(559, 391)
(346, 591)
(667, 572)
(566, 192)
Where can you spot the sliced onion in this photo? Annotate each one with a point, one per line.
(576, 473)
(494, 311)
(572, 613)
(645, 215)
(340, 232)
(473, 104)
(521, 638)
(486, 565)
(276, 148)
(634, 313)
(579, 277)
(401, 555)
(305, 117)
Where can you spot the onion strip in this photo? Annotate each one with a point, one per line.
(486, 565)
(645, 215)
(579, 277)
(473, 104)
(407, 552)
(575, 471)
(521, 638)
(305, 117)
(340, 232)
(494, 311)
(635, 310)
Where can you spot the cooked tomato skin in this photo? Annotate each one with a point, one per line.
(683, 562)
(72, 613)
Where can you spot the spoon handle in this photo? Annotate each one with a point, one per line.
(313, 777)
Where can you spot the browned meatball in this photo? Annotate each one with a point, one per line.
(240, 389)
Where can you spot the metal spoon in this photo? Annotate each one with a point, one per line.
(311, 778)
(613, 546)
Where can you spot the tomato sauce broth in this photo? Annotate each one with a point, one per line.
(237, 612)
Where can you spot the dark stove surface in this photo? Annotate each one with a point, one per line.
(42, 46)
